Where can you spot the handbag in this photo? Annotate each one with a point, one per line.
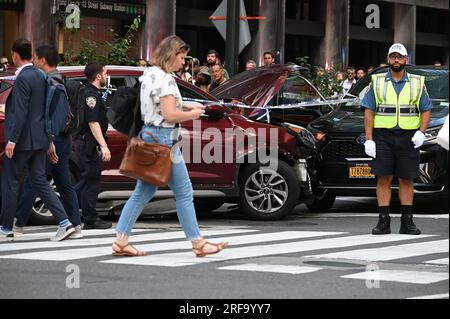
(148, 162)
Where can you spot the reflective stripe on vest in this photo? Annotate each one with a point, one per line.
(402, 110)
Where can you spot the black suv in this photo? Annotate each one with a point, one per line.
(343, 167)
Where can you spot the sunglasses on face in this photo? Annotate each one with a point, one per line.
(396, 56)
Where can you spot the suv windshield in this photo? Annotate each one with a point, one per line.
(436, 81)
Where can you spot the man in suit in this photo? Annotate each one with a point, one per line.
(27, 143)
(46, 58)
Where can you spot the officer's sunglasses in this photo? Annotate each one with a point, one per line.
(396, 57)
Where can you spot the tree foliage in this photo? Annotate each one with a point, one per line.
(116, 49)
(324, 80)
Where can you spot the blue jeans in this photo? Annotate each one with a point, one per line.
(179, 183)
(61, 175)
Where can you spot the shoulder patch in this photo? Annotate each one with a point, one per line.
(91, 101)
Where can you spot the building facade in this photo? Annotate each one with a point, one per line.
(333, 33)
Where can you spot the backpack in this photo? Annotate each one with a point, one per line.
(75, 90)
(57, 109)
(124, 114)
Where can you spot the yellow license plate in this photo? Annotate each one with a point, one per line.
(360, 172)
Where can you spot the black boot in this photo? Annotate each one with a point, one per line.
(407, 225)
(384, 225)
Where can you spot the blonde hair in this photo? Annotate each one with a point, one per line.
(167, 50)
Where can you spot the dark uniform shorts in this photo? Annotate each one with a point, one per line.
(396, 155)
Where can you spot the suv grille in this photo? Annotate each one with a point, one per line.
(339, 149)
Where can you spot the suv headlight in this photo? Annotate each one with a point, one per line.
(303, 135)
(431, 133)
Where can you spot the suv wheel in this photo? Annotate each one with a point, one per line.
(266, 194)
(323, 204)
(40, 214)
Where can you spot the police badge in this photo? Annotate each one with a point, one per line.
(91, 101)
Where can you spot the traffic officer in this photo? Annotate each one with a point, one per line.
(91, 145)
(397, 114)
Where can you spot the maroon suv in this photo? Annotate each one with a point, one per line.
(228, 169)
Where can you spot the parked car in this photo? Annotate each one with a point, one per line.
(343, 167)
(262, 193)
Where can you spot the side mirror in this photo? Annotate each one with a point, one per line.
(214, 111)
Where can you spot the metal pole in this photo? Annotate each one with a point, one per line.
(159, 23)
(281, 27)
(231, 45)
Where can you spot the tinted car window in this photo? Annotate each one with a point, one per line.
(115, 81)
(296, 90)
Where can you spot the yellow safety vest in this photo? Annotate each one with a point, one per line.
(392, 109)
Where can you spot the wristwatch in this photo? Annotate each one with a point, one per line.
(103, 145)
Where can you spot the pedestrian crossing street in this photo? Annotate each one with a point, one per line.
(170, 249)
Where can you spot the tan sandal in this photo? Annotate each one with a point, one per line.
(122, 252)
(200, 251)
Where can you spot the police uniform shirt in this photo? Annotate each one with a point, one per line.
(94, 108)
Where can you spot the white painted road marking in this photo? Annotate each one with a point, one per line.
(438, 296)
(337, 215)
(283, 269)
(405, 276)
(80, 253)
(391, 252)
(11, 246)
(28, 236)
(442, 261)
(186, 259)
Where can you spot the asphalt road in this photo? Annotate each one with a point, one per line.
(303, 256)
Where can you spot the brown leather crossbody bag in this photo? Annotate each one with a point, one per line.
(148, 162)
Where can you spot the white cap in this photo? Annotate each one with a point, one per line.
(398, 48)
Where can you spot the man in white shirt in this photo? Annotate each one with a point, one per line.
(351, 80)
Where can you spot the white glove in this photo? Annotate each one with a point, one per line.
(418, 139)
(370, 148)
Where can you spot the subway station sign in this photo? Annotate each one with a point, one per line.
(16, 5)
(107, 9)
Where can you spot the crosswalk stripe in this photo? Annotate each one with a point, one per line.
(104, 241)
(437, 296)
(340, 215)
(405, 276)
(390, 252)
(284, 269)
(27, 236)
(71, 254)
(185, 259)
(443, 261)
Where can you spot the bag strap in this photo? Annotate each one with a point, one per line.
(152, 136)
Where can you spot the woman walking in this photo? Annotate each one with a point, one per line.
(162, 110)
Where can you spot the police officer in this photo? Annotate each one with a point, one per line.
(397, 114)
(91, 145)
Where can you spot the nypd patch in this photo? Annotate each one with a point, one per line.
(91, 101)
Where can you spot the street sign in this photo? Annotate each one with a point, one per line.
(219, 20)
(109, 9)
